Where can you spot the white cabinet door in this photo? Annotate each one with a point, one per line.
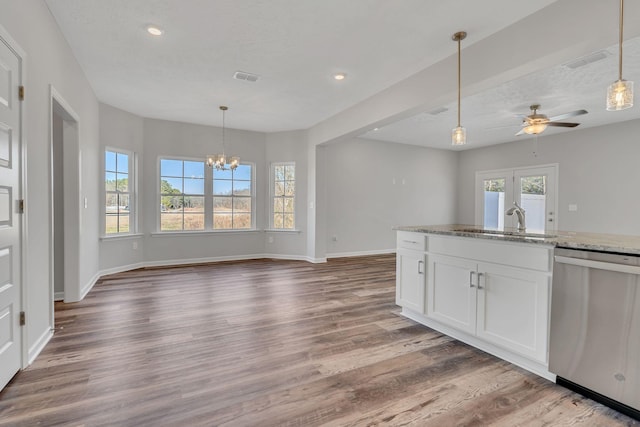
(410, 279)
(513, 309)
(452, 291)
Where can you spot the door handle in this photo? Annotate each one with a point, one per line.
(479, 276)
(420, 263)
(471, 274)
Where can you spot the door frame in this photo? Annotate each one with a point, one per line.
(71, 201)
(510, 187)
(22, 218)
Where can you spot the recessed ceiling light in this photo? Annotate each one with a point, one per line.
(339, 76)
(154, 31)
(376, 129)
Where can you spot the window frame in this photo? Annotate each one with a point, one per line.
(208, 200)
(183, 194)
(132, 184)
(272, 196)
(252, 198)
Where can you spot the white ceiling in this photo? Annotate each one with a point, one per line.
(296, 45)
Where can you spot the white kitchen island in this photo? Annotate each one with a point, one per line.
(490, 289)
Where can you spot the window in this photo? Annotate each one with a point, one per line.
(119, 192)
(533, 188)
(233, 198)
(181, 195)
(196, 198)
(283, 186)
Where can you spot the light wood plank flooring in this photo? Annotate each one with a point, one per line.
(268, 343)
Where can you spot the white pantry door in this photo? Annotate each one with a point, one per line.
(10, 221)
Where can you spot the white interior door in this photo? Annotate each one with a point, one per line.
(10, 223)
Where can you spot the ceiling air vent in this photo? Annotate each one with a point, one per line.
(581, 62)
(241, 75)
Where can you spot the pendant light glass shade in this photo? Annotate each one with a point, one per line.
(620, 92)
(459, 134)
(620, 95)
(218, 161)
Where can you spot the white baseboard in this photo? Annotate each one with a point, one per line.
(121, 268)
(361, 253)
(87, 287)
(37, 347)
(169, 262)
(58, 296)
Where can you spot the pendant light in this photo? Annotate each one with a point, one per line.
(218, 161)
(459, 134)
(620, 92)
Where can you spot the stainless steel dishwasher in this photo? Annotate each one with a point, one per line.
(594, 347)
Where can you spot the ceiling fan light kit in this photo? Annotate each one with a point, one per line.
(459, 134)
(620, 92)
(535, 123)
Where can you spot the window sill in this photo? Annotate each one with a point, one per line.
(201, 233)
(121, 236)
(282, 230)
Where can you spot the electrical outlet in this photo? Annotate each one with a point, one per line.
(134, 245)
(270, 239)
(573, 208)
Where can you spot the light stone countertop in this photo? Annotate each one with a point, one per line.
(616, 243)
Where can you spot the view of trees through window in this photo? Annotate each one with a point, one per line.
(232, 198)
(529, 185)
(117, 203)
(181, 195)
(284, 196)
(184, 206)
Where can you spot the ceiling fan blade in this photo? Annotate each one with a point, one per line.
(520, 133)
(567, 115)
(563, 124)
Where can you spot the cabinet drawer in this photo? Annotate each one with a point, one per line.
(409, 240)
(507, 253)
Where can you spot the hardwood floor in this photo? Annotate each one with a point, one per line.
(267, 343)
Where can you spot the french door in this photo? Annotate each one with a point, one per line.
(533, 188)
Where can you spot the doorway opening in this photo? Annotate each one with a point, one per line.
(64, 201)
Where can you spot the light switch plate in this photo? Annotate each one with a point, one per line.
(573, 208)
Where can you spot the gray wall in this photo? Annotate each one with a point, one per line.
(598, 171)
(372, 186)
(166, 138)
(120, 129)
(50, 61)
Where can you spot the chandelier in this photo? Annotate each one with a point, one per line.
(218, 161)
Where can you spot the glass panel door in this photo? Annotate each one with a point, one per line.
(494, 194)
(535, 192)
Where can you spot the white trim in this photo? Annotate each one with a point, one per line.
(58, 296)
(288, 257)
(200, 233)
(121, 268)
(170, 262)
(39, 345)
(123, 236)
(282, 230)
(86, 288)
(518, 360)
(361, 253)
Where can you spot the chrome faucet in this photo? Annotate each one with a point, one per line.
(517, 209)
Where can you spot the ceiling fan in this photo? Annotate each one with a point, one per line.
(536, 123)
